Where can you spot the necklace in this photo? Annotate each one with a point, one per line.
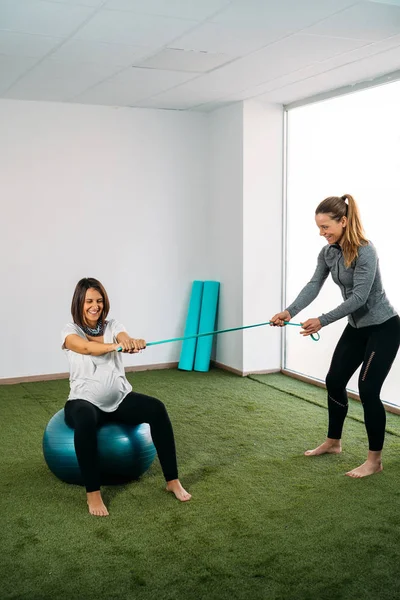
(97, 331)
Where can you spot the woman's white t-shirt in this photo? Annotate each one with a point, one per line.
(98, 379)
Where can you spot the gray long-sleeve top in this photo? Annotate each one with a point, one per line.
(365, 302)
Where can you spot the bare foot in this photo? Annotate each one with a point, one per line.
(176, 488)
(330, 446)
(372, 465)
(96, 504)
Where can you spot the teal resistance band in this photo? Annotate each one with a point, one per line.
(314, 336)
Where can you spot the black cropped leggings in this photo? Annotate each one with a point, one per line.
(375, 348)
(85, 418)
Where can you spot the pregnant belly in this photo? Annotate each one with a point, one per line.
(106, 388)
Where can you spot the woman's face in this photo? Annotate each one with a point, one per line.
(330, 229)
(93, 307)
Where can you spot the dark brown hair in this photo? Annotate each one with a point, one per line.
(353, 236)
(78, 299)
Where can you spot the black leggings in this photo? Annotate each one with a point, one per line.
(375, 347)
(86, 418)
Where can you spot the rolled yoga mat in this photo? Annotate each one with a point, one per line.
(208, 315)
(192, 327)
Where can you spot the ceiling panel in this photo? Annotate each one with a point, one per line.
(358, 55)
(92, 3)
(183, 9)
(40, 17)
(100, 52)
(210, 106)
(309, 74)
(180, 98)
(273, 84)
(275, 60)
(162, 102)
(12, 67)
(282, 17)
(365, 20)
(334, 63)
(392, 2)
(132, 85)
(130, 28)
(351, 74)
(54, 80)
(25, 44)
(173, 59)
(233, 39)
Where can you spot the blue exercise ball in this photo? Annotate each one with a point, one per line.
(125, 452)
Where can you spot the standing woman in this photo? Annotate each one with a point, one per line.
(100, 391)
(370, 339)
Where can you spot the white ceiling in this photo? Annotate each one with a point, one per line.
(192, 54)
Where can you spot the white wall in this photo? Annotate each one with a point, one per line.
(146, 201)
(246, 238)
(226, 227)
(262, 226)
(117, 194)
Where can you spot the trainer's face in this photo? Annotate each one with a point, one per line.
(330, 229)
(93, 307)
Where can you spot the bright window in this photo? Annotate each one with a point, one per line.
(349, 144)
